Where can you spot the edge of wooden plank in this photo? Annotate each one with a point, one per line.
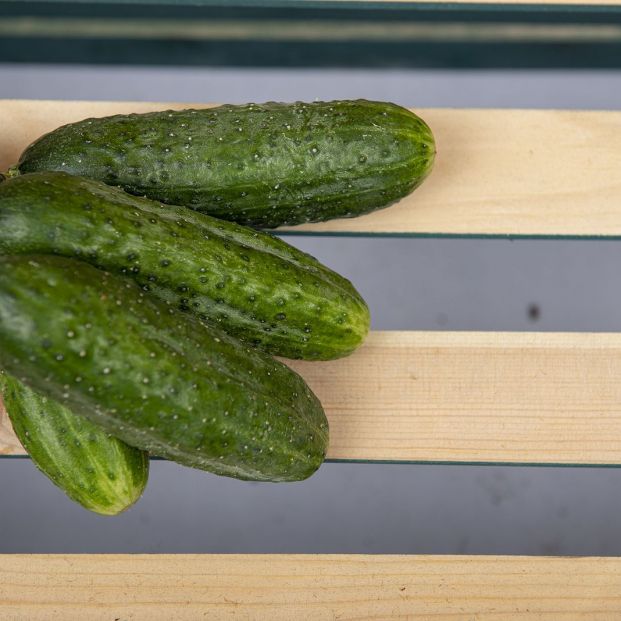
(279, 587)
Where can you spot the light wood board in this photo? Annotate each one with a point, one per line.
(498, 172)
(468, 397)
(314, 588)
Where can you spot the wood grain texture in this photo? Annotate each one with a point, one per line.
(317, 588)
(469, 397)
(498, 172)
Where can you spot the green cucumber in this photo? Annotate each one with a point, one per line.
(251, 284)
(156, 378)
(94, 469)
(260, 165)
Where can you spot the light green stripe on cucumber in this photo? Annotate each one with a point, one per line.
(101, 473)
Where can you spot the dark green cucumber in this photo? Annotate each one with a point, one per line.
(156, 378)
(253, 285)
(261, 165)
(96, 470)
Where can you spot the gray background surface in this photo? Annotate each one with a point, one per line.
(410, 284)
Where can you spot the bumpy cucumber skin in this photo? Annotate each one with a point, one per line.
(251, 284)
(261, 165)
(155, 377)
(94, 469)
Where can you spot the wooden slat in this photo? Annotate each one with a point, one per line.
(469, 397)
(323, 587)
(498, 172)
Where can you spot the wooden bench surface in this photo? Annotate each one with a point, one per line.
(405, 396)
(543, 398)
(318, 587)
(498, 172)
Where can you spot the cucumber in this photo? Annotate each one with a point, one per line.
(251, 284)
(155, 378)
(94, 469)
(260, 165)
